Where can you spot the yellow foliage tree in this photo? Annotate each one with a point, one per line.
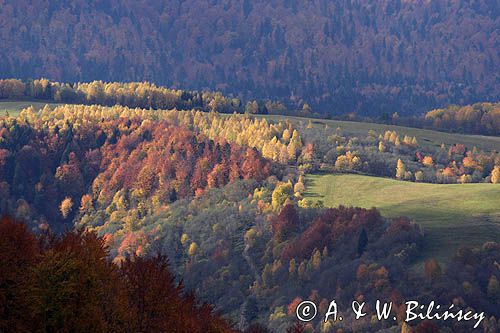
(316, 259)
(281, 193)
(66, 206)
(465, 179)
(193, 248)
(381, 147)
(495, 175)
(428, 161)
(295, 144)
(286, 135)
(299, 187)
(347, 161)
(393, 137)
(184, 239)
(400, 170)
(405, 328)
(86, 203)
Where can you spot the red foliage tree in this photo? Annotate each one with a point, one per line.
(18, 252)
(330, 226)
(286, 223)
(67, 284)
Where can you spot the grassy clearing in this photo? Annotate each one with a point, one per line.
(451, 215)
(424, 137)
(14, 107)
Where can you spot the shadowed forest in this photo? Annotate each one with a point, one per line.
(207, 166)
(345, 56)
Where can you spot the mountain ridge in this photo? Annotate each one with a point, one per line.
(347, 56)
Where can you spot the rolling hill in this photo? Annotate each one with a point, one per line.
(425, 137)
(451, 215)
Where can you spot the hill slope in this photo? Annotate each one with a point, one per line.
(14, 107)
(424, 136)
(350, 55)
(452, 215)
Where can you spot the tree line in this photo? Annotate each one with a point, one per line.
(137, 95)
(479, 118)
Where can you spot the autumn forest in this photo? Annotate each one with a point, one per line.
(207, 166)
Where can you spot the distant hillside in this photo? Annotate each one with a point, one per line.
(339, 56)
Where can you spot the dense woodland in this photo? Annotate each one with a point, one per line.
(67, 284)
(221, 197)
(160, 191)
(135, 94)
(56, 158)
(479, 118)
(343, 56)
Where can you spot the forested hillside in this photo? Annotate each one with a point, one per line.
(56, 163)
(226, 199)
(50, 164)
(352, 55)
(207, 165)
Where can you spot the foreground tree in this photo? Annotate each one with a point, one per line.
(18, 252)
(67, 284)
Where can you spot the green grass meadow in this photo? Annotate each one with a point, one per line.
(13, 108)
(424, 137)
(451, 215)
